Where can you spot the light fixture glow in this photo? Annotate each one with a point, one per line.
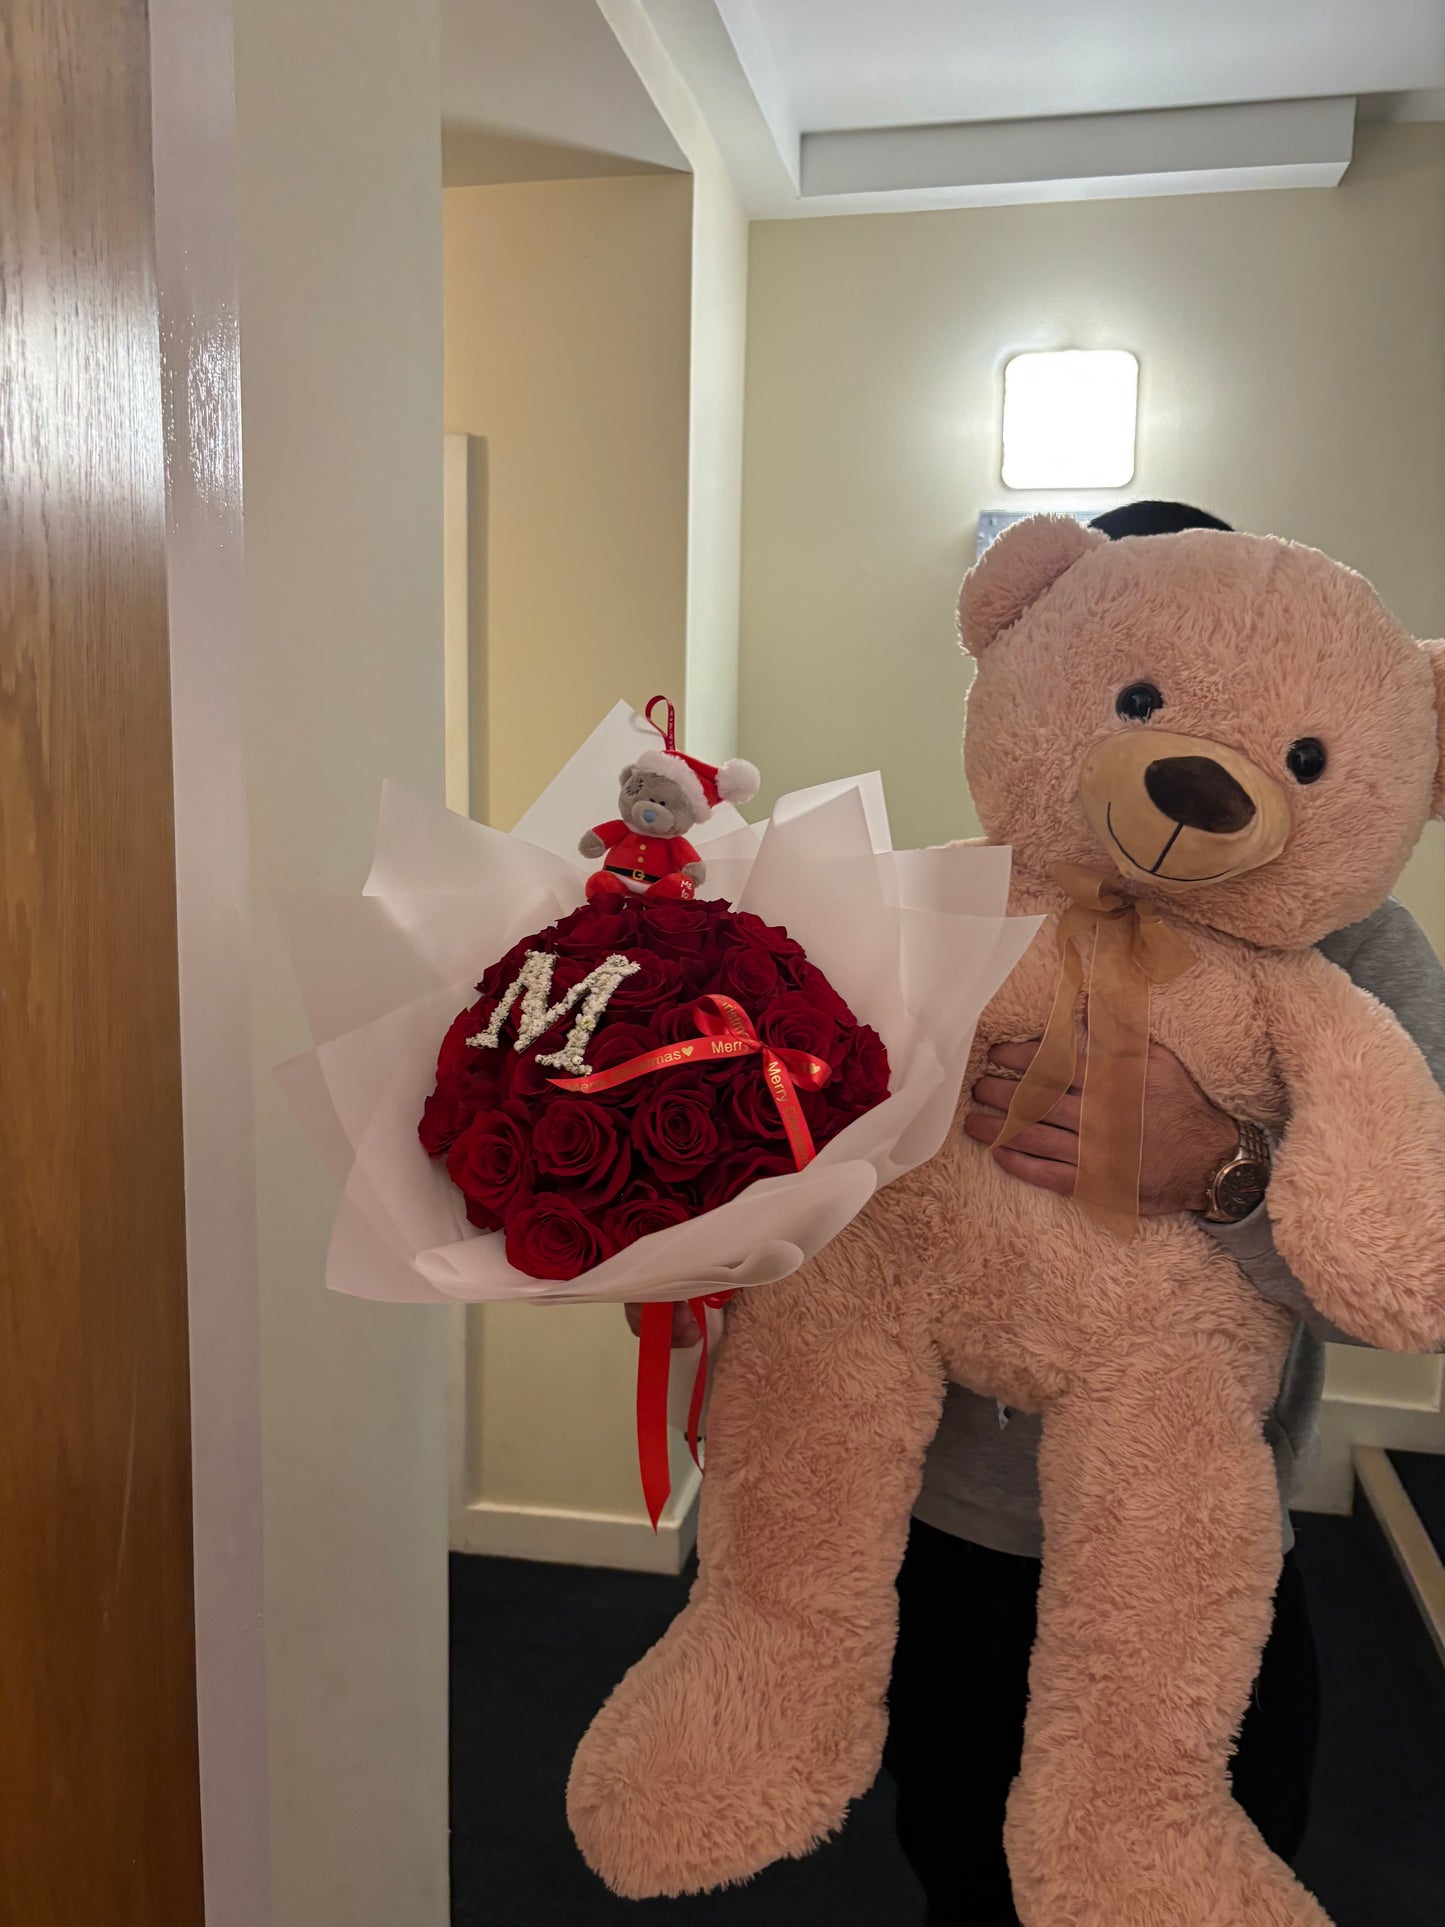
(1069, 418)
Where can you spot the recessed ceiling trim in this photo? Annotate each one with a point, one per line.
(701, 52)
(1109, 187)
(755, 55)
(1311, 139)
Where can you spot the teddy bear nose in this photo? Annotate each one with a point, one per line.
(1199, 793)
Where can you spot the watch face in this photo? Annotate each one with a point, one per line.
(1241, 1188)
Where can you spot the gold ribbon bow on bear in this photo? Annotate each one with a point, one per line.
(1118, 947)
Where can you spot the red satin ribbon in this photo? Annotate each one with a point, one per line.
(654, 1364)
(724, 1030)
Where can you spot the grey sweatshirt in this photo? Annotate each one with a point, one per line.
(981, 1478)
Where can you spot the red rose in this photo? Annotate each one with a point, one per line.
(862, 1079)
(751, 1111)
(491, 1160)
(674, 916)
(740, 1168)
(679, 927)
(468, 1081)
(816, 988)
(610, 1046)
(822, 1116)
(657, 980)
(602, 927)
(678, 1024)
(639, 1217)
(553, 1237)
(576, 1143)
(747, 932)
(858, 1083)
(567, 972)
(523, 1079)
(498, 976)
(793, 1021)
(674, 1132)
(455, 1054)
(444, 1117)
(751, 976)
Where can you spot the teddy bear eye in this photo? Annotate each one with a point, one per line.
(1138, 702)
(1306, 759)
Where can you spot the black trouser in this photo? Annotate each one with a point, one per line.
(967, 1618)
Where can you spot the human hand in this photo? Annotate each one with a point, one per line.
(684, 1325)
(1185, 1136)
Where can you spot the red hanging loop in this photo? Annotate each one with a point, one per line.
(654, 1362)
(669, 735)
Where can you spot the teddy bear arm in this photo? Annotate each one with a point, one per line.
(744, 1735)
(1357, 1201)
(591, 844)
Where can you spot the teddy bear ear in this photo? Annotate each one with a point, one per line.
(1014, 571)
(1435, 656)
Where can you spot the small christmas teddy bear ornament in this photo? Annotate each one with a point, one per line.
(644, 848)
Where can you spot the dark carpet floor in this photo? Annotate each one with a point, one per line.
(536, 1648)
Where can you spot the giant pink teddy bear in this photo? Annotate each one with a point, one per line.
(1298, 733)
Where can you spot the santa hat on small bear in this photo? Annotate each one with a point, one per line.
(703, 785)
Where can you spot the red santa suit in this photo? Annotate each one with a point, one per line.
(639, 861)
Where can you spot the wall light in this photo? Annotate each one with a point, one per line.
(1069, 418)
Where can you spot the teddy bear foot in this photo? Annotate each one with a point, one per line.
(1218, 1874)
(719, 1753)
(674, 887)
(1180, 1901)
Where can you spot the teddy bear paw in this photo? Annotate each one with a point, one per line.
(1164, 1872)
(714, 1758)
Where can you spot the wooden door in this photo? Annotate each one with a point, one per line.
(99, 1810)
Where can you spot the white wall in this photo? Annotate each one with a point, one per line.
(719, 345)
(719, 342)
(1291, 379)
(339, 228)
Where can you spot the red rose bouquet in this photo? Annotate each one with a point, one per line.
(574, 1168)
(662, 1175)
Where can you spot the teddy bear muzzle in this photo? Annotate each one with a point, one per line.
(1180, 811)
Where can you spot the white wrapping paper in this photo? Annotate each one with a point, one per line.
(917, 942)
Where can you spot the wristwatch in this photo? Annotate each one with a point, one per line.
(1239, 1181)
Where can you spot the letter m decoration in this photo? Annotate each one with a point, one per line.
(533, 984)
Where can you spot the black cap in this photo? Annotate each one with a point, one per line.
(1154, 518)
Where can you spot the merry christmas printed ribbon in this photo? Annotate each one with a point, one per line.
(1117, 947)
(724, 1030)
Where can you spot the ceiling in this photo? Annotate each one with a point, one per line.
(540, 90)
(843, 106)
(898, 63)
(827, 106)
